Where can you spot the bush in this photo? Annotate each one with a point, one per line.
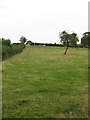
(6, 42)
(9, 51)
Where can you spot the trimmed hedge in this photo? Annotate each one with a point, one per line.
(9, 51)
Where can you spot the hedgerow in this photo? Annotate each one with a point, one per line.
(8, 50)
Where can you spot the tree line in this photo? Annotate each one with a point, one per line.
(66, 39)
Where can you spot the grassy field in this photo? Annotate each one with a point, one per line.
(42, 82)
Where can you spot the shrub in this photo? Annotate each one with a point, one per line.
(6, 42)
(9, 51)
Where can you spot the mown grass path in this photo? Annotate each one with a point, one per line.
(42, 82)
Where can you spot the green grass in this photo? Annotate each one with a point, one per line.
(42, 82)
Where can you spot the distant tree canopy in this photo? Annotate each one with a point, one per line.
(73, 39)
(64, 38)
(23, 40)
(85, 40)
(68, 39)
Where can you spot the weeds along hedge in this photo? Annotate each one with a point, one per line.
(9, 51)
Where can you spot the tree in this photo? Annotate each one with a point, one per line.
(85, 40)
(65, 37)
(68, 39)
(73, 39)
(23, 40)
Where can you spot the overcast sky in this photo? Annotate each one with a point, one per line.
(42, 20)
